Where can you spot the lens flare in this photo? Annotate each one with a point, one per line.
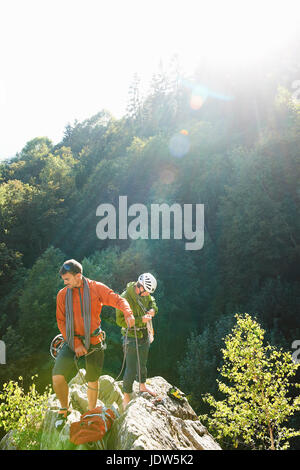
(179, 145)
(200, 93)
(196, 102)
(168, 174)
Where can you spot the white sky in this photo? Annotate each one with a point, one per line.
(62, 60)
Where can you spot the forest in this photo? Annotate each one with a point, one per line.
(227, 140)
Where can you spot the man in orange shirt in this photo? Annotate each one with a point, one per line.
(78, 308)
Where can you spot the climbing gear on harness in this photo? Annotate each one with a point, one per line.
(176, 394)
(148, 281)
(56, 345)
(58, 342)
(61, 418)
(93, 425)
(98, 332)
(132, 329)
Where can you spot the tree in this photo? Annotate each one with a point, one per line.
(19, 217)
(11, 274)
(198, 368)
(38, 300)
(134, 100)
(258, 400)
(28, 165)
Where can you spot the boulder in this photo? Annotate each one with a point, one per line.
(167, 425)
(145, 424)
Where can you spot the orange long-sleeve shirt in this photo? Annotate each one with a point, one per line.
(100, 295)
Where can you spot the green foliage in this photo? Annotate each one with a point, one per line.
(29, 164)
(23, 413)
(198, 368)
(257, 386)
(242, 164)
(258, 212)
(38, 300)
(12, 272)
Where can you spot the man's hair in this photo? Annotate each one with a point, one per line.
(70, 266)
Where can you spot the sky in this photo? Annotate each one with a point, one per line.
(66, 60)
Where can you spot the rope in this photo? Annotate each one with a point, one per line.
(80, 374)
(137, 348)
(124, 355)
(138, 358)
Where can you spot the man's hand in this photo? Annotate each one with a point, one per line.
(130, 321)
(151, 312)
(80, 350)
(146, 318)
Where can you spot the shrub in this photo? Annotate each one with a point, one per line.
(23, 413)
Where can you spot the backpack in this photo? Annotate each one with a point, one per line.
(93, 425)
(176, 394)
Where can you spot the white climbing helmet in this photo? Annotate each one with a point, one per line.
(148, 281)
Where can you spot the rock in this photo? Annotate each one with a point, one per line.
(7, 442)
(165, 426)
(59, 440)
(144, 425)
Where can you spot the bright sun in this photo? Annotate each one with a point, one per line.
(78, 57)
(237, 32)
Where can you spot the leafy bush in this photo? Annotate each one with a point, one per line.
(23, 413)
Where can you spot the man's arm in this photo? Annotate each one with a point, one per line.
(60, 314)
(110, 298)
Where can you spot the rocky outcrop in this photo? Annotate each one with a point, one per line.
(144, 425)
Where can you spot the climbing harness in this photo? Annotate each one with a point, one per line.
(58, 342)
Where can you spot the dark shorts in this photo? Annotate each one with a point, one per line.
(65, 364)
